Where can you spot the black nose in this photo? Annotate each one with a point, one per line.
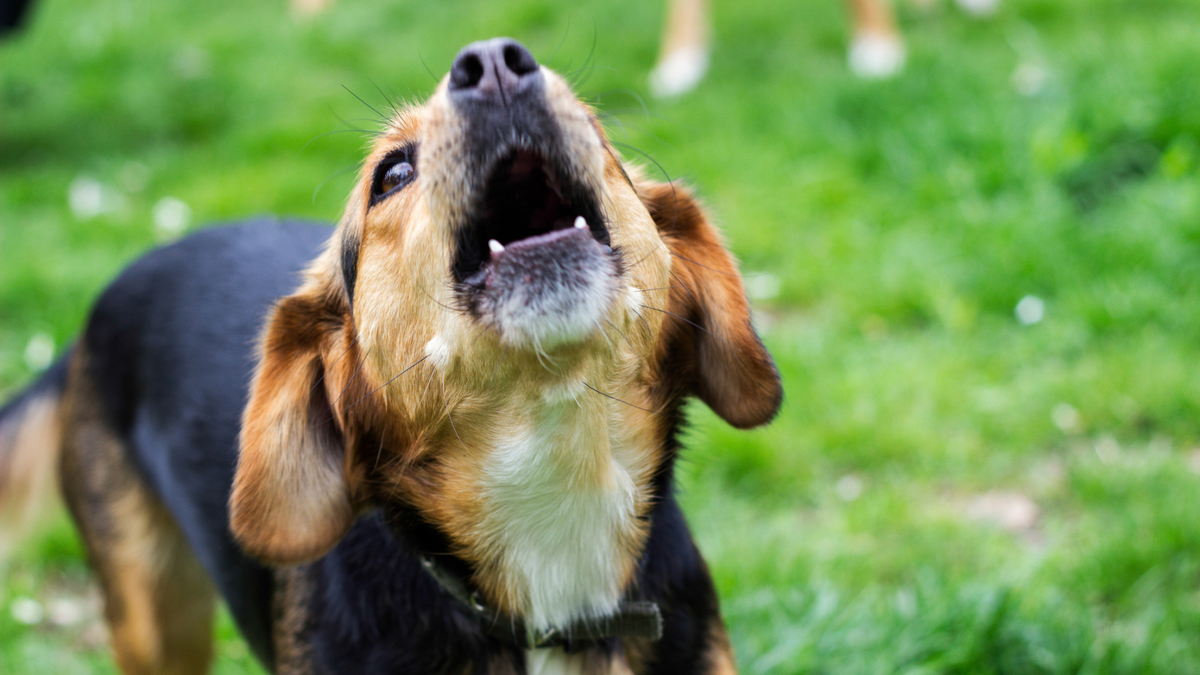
(495, 69)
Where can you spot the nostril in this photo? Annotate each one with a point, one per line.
(519, 60)
(466, 72)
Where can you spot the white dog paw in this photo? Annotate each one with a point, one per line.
(875, 56)
(679, 73)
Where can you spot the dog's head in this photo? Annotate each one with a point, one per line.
(498, 270)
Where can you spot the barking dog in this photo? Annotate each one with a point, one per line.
(455, 451)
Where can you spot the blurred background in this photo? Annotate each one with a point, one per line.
(980, 279)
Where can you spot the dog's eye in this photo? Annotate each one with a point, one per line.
(400, 172)
(393, 173)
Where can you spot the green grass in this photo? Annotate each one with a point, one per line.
(889, 229)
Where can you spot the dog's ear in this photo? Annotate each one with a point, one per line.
(709, 316)
(291, 501)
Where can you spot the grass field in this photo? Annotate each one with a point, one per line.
(981, 281)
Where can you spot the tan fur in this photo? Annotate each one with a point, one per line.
(159, 602)
(28, 454)
(407, 398)
(292, 599)
(720, 652)
(687, 27)
(291, 501)
(734, 373)
(872, 16)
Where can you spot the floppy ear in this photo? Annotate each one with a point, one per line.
(291, 501)
(734, 373)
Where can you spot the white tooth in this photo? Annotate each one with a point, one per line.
(495, 246)
(580, 223)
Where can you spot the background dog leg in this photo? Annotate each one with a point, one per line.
(876, 49)
(683, 58)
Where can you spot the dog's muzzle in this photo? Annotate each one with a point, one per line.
(532, 259)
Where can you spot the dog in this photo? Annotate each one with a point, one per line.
(876, 49)
(439, 438)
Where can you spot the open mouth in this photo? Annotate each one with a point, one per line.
(525, 202)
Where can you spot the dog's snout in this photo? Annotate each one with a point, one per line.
(493, 70)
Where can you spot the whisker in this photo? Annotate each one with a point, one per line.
(685, 319)
(368, 395)
(624, 131)
(335, 362)
(615, 398)
(694, 298)
(352, 378)
(422, 58)
(330, 133)
(385, 97)
(382, 117)
(631, 94)
(550, 59)
(540, 354)
(340, 172)
(427, 383)
(660, 288)
(449, 417)
(378, 454)
(578, 83)
(649, 331)
(373, 134)
(648, 254)
(608, 339)
(453, 310)
(643, 153)
(499, 363)
(728, 274)
(621, 333)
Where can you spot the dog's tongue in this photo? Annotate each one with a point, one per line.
(552, 259)
(547, 290)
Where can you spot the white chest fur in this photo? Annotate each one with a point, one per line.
(559, 508)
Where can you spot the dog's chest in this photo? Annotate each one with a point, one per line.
(559, 513)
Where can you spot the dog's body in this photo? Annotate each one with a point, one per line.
(455, 457)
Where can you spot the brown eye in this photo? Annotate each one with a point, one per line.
(397, 175)
(394, 172)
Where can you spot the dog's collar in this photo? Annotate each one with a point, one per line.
(633, 619)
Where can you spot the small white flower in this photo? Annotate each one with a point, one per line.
(1029, 79)
(39, 351)
(27, 611)
(85, 197)
(89, 198)
(849, 487)
(1030, 310)
(1065, 417)
(1107, 449)
(63, 612)
(191, 63)
(171, 217)
(762, 285)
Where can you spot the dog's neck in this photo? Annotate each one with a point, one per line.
(542, 478)
(561, 496)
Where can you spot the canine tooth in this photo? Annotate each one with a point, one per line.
(495, 246)
(580, 223)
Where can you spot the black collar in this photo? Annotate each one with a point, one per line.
(633, 618)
